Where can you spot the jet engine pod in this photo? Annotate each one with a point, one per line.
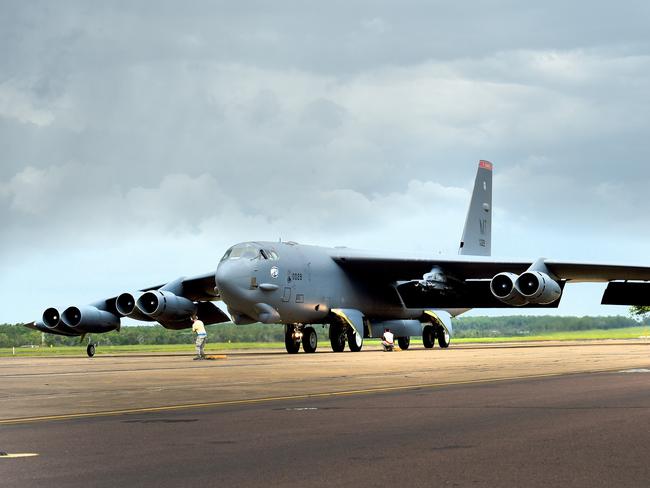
(51, 318)
(126, 306)
(538, 288)
(53, 323)
(165, 306)
(90, 319)
(503, 287)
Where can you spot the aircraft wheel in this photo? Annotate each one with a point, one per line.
(337, 338)
(428, 336)
(90, 350)
(355, 342)
(309, 340)
(292, 345)
(404, 343)
(443, 337)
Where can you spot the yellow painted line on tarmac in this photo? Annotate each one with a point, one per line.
(17, 455)
(305, 396)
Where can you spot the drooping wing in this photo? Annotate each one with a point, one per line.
(198, 288)
(102, 316)
(473, 275)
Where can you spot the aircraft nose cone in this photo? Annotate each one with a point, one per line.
(232, 279)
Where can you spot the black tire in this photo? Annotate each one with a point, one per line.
(337, 338)
(292, 345)
(428, 336)
(309, 340)
(404, 343)
(90, 350)
(443, 337)
(352, 340)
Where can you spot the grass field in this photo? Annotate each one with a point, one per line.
(625, 333)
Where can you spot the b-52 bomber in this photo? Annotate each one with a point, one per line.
(358, 294)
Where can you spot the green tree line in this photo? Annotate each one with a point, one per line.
(17, 335)
(520, 325)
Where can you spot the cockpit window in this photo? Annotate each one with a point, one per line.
(242, 251)
(272, 254)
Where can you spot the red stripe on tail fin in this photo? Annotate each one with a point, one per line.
(485, 164)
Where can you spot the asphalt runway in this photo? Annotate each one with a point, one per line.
(511, 417)
(585, 430)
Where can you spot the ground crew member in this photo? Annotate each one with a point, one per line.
(201, 336)
(388, 340)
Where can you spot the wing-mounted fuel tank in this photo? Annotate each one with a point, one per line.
(535, 286)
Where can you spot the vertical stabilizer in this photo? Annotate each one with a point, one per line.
(477, 234)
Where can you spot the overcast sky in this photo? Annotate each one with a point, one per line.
(139, 140)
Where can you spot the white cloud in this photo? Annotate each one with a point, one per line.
(16, 103)
(133, 134)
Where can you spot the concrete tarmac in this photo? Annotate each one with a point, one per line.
(479, 416)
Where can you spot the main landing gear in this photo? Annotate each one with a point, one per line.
(294, 335)
(404, 343)
(337, 338)
(431, 333)
(339, 335)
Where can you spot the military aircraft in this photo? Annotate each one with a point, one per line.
(358, 294)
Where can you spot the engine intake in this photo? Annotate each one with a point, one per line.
(164, 306)
(503, 287)
(126, 306)
(538, 288)
(53, 323)
(90, 319)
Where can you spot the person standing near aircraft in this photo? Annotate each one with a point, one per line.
(201, 336)
(388, 340)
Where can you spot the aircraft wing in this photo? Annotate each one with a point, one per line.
(468, 278)
(171, 304)
(405, 268)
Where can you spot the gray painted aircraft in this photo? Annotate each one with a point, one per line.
(357, 293)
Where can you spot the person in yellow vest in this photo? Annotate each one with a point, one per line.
(201, 336)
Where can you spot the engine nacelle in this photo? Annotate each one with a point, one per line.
(538, 288)
(51, 323)
(126, 306)
(164, 306)
(503, 287)
(90, 319)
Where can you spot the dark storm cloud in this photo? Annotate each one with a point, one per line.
(130, 129)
